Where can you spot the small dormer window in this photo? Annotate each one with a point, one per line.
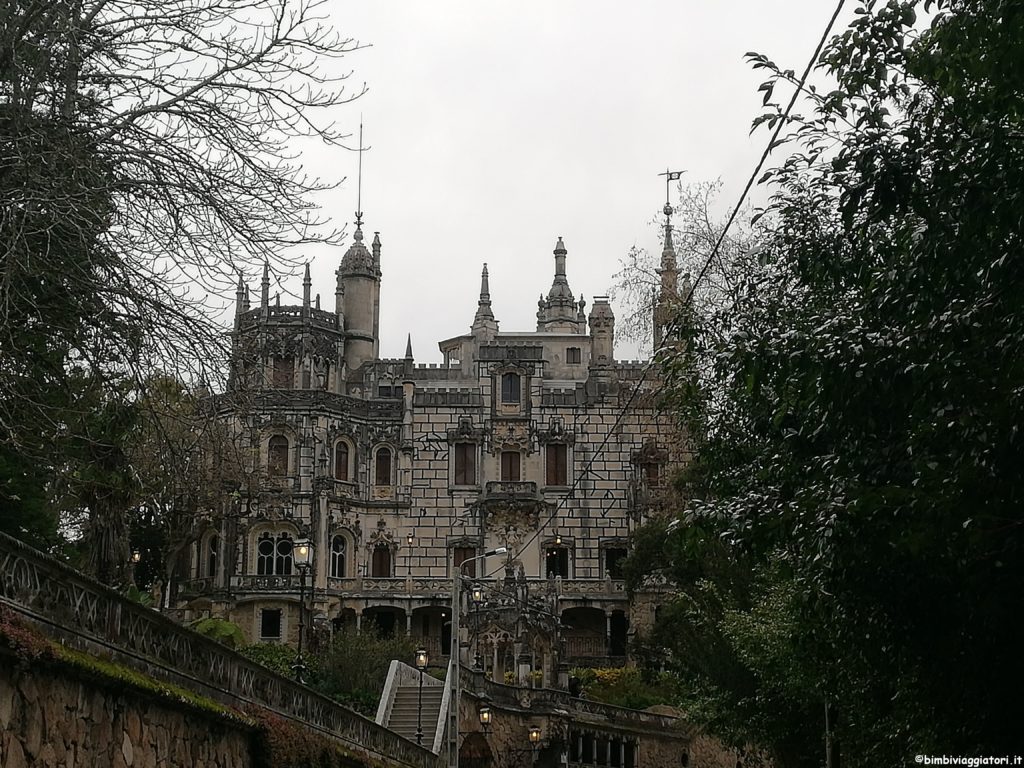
(510, 388)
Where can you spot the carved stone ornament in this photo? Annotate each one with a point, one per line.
(556, 433)
(382, 536)
(511, 434)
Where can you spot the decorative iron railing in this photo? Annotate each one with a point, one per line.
(76, 606)
(551, 699)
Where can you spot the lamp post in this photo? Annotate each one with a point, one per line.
(477, 596)
(302, 554)
(421, 664)
(534, 740)
(456, 690)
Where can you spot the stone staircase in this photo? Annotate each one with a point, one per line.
(404, 711)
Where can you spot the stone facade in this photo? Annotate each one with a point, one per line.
(539, 442)
(50, 720)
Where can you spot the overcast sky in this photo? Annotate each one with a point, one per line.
(496, 127)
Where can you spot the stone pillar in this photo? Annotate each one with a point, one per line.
(524, 670)
(359, 621)
(608, 632)
(408, 622)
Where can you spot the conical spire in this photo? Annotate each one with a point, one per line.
(484, 319)
(559, 311)
(307, 285)
(240, 295)
(669, 269)
(408, 347)
(560, 285)
(265, 286)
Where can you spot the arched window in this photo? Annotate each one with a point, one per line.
(283, 559)
(510, 388)
(277, 456)
(265, 555)
(212, 548)
(382, 467)
(274, 554)
(341, 460)
(338, 549)
(380, 563)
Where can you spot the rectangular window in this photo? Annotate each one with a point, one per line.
(613, 557)
(573, 356)
(556, 563)
(652, 473)
(510, 388)
(284, 373)
(510, 466)
(557, 464)
(461, 555)
(270, 624)
(465, 463)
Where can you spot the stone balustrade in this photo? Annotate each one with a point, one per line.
(78, 609)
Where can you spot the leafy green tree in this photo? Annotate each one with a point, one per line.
(144, 161)
(353, 668)
(860, 448)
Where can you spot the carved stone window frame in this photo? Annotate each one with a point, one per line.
(465, 433)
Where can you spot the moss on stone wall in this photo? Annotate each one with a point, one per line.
(275, 741)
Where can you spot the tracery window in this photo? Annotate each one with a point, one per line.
(274, 554)
(339, 549)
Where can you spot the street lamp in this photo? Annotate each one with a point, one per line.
(485, 715)
(477, 596)
(302, 554)
(534, 740)
(456, 690)
(421, 664)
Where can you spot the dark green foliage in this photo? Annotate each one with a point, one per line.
(855, 530)
(275, 656)
(221, 630)
(353, 668)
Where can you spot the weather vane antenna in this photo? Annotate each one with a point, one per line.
(359, 178)
(670, 176)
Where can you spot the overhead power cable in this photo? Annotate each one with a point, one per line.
(688, 299)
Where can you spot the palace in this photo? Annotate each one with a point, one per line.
(396, 473)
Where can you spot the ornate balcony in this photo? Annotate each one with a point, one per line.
(506, 490)
(249, 583)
